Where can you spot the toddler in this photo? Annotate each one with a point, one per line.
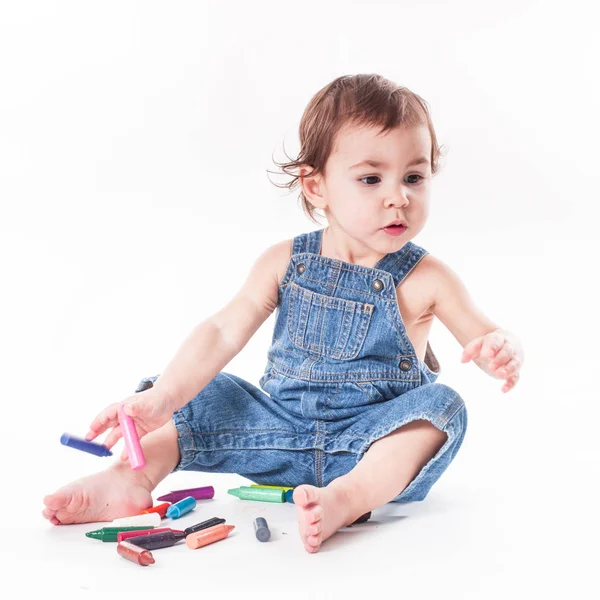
(348, 411)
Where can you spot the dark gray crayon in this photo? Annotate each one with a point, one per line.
(262, 529)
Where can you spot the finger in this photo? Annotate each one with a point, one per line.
(492, 344)
(510, 368)
(472, 349)
(510, 383)
(106, 419)
(134, 409)
(124, 454)
(113, 437)
(504, 356)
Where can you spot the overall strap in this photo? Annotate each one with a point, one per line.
(308, 242)
(400, 264)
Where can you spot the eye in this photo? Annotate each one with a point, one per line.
(419, 178)
(416, 175)
(369, 177)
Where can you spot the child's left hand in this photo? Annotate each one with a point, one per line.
(498, 353)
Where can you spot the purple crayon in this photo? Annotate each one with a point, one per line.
(199, 493)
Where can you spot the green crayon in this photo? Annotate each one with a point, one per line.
(109, 534)
(246, 492)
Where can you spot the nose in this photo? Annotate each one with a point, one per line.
(398, 200)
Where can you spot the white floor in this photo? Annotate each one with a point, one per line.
(471, 538)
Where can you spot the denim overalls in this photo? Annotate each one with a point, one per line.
(341, 373)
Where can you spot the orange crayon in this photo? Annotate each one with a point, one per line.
(161, 509)
(208, 536)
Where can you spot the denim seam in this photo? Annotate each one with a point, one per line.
(248, 431)
(378, 296)
(322, 299)
(190, 454)
(339, 264)
(367, 376)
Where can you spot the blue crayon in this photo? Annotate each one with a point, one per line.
(289, 496)
(81, 444)
(181, 508)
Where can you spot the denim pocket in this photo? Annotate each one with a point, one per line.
(326, 326)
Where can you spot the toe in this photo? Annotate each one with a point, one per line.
(315, 514)
(57, 500)
(313, 542)
(47, 513)
(315, 529)
(305, 495)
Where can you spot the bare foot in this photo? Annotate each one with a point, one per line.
(116, 492)
(321, 512)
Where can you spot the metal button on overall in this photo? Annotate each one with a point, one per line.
(378, 285)
(405, 365)
(301, 268)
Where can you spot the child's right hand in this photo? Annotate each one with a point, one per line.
(149, 410)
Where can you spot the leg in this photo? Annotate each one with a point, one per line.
(118, 491)
(388, 467)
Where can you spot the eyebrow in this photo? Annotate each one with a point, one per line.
(377, 163)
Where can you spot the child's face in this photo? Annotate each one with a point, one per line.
(360, 201)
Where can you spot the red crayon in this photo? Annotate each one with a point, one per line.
(161, 509)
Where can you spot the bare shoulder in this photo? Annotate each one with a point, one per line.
(266, 274)
(416, 293)
(280, 255)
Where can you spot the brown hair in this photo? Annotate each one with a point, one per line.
(359, 100)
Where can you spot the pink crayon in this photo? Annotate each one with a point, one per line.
(132, 440)
(199, 493)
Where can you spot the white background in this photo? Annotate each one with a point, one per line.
(135, 140)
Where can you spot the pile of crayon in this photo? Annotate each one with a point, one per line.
(137, 535)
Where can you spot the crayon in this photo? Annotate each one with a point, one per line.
(132, 440)
(262, 494)
(135, 554)
(110, 534)
(208, 536)
(162, 539)
(199, 493)
(84, 445)
(161, 509)
(125, 535)
(272, 487)
(149, 519)
(181, 508)
(261, 529)
(289, 496)
(204, 525)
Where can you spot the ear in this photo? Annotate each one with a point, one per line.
(312, 187)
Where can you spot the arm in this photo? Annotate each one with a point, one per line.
(491, 347)
(208, 348)
(214, 342)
